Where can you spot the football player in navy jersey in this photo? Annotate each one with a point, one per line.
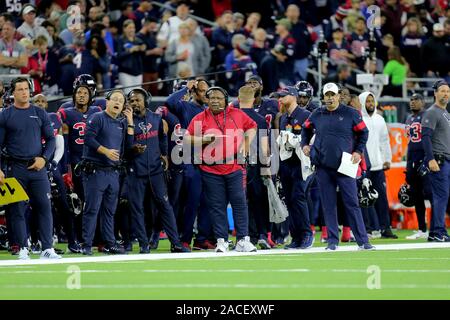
(74, 127)
(87, 80)
(65, 212)
(416, 175)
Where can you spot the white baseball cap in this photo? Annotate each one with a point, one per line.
(330, 86)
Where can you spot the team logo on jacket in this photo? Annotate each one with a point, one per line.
(341, 118)
(145, 127)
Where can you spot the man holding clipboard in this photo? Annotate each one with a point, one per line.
(339, 129)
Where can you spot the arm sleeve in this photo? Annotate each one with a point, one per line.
(427, 133)
(59, 149)
(429, 121)
(174, 100)
(385, 144)
(47, 134)
(307, 131)
(163, 143)
(361, 133)
(93, 127)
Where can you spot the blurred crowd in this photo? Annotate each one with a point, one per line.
(125, 43)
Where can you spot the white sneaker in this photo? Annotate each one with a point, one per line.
(50, 254)
(418, 235)
(244, 245)
(24, 254)
(221, 246)
(376, 234)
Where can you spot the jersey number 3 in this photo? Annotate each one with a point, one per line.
(81, 127)
(415, 132)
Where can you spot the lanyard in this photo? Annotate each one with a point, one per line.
(224, 121)
(43, 63)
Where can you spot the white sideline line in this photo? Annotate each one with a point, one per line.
(192, 255)
(226, 271)
(228, 286)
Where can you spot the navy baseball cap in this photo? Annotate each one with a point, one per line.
(288, 91)
(255, 78)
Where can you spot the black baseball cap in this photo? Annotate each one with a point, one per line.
(417, 96)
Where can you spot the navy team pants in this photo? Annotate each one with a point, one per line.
(195, 203)
(258, 201)
(421, 190)
(101, 193)
(295, 192)
(381, 205)
(174, 188)
(328, 180)
(440, 184)
(221, 190)
(136, 198)
(37, 187)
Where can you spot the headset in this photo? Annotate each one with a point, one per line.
(110, 93)
(225, 93)
(147, 96)
(15, 81)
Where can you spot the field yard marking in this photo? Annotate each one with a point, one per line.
(227, 286)
(168, 256)
(227, 271)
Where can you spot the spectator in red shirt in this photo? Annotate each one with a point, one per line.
(224, 135)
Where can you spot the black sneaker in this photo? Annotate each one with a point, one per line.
(441, 238)
(387, 234)
(116, 249)
(145, 249)
(331, 247)
(59, 251)
(366, 247)
(75, 247)
(128, 246)
(294, 245)
(179, 248)
(86, 251)
(154, 241)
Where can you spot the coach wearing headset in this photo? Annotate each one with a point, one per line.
(146, 171)
(220, 134)
(106, 137)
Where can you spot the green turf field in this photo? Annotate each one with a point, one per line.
(403, 274)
